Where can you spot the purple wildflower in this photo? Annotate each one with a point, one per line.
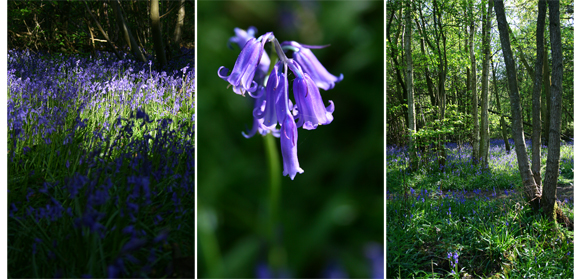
(311, 110)
(289, 139)
(242, 76)
(304, 56)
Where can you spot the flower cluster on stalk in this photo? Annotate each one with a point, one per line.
(272, 103)
(453, 261)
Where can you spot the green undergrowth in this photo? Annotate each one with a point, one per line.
(460, 173)
(493, 234)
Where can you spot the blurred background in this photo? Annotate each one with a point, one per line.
(330, 218)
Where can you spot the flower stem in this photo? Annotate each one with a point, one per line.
(273, 158)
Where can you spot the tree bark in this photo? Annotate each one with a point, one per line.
(549, 206)
(537, 101)
(474, 99)
(179, 23)
(410, 97)
(129, 39)
(441, 39)
(531, 189)
(547, 94)
(157, 36)
(484, 143)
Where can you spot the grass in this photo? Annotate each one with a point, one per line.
(100, 166)
(446, 213)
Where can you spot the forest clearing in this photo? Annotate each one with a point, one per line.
(480, 139)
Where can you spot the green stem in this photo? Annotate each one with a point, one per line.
(274, 257)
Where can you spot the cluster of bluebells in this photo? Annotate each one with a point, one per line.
(133, 205)
(272, 103)
(45, 89)
(122, 189)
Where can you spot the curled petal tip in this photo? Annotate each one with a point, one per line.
(223, 72)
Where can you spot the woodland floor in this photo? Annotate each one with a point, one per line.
(564, 191)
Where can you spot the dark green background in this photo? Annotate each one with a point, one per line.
(335, 208)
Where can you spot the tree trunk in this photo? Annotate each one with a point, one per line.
(443, 67)
(549, 206)
(531, 190)
(398, 67)
(474, 101)
(428, 76)
(179, 24)
(484, 143)
(410, 97)
(547, 84)
(536, 102)
(157, 37)
(127, 33)
(502, 119)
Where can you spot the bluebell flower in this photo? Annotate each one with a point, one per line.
(242, 76)
(242, 36)
(311, 110)
(240, 39)
(310, 64)
(258, 123)
(275, 88)
(288, 141)
(133, 244)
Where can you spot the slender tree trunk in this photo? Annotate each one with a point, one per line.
(484, 143)
(109, 42)
(410, 97)
(537, 101)
(549, 206)
(504, 133)
(157, 36)
(127, 33)
(547, 84)
(441, 39)
(467, 78)
(474, 99)
(428, 75)
(394, 55)
(531, 189)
